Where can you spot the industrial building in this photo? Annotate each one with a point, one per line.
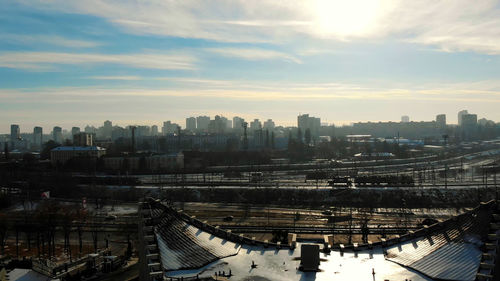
(61, 154)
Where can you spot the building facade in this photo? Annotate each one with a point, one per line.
(191, 123)
(269, 125)
(83, 139)
(202, 123)
(15, 132)
(305, 122)
(441, 120)
(62, 154)
(460, 114)
(238, 123)
(37, 138)
(57, 134)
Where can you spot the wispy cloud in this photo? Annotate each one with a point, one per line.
(254, 54)
(129, 78)
(36, 39)
(49, 60)
(480, 91)
(450, 25)
(280, 101)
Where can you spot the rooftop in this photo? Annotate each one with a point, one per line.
(78, 148)
(457, 249)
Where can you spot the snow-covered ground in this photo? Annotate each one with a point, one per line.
(273, 264)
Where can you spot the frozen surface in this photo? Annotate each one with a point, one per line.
(283, 265)
(27, 275)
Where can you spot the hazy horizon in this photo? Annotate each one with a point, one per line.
(73, 63)
(28, 127)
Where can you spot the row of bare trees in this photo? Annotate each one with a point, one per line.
(39, 228)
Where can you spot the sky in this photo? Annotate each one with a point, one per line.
(73, 63)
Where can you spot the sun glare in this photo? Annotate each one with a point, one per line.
(345, 18)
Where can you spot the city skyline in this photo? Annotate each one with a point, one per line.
(71, 63)
(443, 118)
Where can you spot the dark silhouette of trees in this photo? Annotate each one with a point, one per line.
(142, 164)
(6, 151)
(272, 141)
(48, 146)
(29, 158)
(3, 233)
(267, 141)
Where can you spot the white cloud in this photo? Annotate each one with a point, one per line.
(254, 54)
(450, 25)
(48, 60)
(127, 78)
(480, 91)
(36, 39)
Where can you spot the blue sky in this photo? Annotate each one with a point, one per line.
(72, 63)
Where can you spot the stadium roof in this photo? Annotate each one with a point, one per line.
(460, 248)
(78, 148)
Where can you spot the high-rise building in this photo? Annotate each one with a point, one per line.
(255, 125)
(441, 120)
(169, 128)
(485, 122)
(75, 130)
(57, 134)
(218, 125)
(154, 130)
(142, 131)
(15, 132)
(269, 125)
(305, 122)
(405, 119)
(119, 132)
(90, 129)
(202, 122)
(460, 114)
(223, 122)
(83, 139)
(469, 120)
(38, 137)
(191, 123)
(469, 125)
(238, 123)
(107, 129)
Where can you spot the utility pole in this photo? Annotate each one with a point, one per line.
(179, 138)
(495, 182)
(245, 136)
(445, 175)
(462, 172)
(133, 138)
(268, 215)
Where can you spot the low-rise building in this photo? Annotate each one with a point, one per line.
(83, 139)
(62, 154)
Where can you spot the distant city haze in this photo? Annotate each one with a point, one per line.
(28, 128)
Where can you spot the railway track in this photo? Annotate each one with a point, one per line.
(317, 230)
